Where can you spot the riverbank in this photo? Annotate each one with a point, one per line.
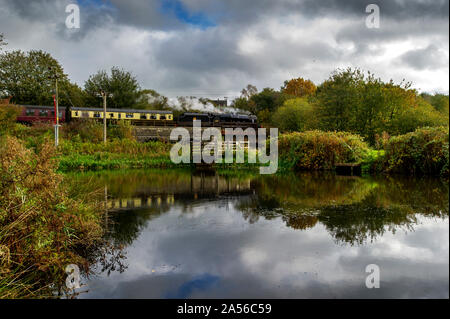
(423, 152)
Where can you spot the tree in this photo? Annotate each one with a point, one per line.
(25, 76)
(438, 101)
(249, 91)
(243, 104)
(2, 41)
(151, 100)
(121, 85)
(338, 99)
(295, 115)
(350, 101)
(71, 94)
(268, 99)
(299, 87)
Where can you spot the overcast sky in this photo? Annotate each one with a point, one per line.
(214, 48)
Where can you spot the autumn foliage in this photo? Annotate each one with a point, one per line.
(299, 87)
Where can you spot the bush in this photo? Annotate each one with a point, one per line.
(295, 115)
(8, 116)
(317, 150)
(122, 130)
(42, 230)
(424, 151)
(83, 130)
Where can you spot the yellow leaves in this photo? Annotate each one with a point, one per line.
(299, 87)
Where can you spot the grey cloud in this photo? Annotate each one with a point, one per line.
(185, 59)
(243, 12)
(52, 13)
(429, 58)
(144, 14)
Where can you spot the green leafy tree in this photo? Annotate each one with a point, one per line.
(350, 101)
(438, 101)
(243, 104)
(151, 100)
(27, 78)
(120, 84)
(295, 115)
(268, 99)
(338, 99)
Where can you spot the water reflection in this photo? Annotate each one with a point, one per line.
(206, 235)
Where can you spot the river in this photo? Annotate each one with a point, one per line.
(183, 234)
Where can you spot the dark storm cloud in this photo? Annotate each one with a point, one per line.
(393, 9)
(429, 58)
(222, 45)
(93, 15)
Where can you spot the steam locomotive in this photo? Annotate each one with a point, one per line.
(33, 114)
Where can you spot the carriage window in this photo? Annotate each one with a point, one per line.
(30, 112)
(129, 115)
(162, 117)
(153, 117)
(97, 114)
(43, 113)
(76, 113)
(143, 117)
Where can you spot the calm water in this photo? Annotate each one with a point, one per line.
(177, 234)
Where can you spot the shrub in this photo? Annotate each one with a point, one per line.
(8, 116)
(41, 229)
(122, 130)
(424, 151)
(83, 130)
(295, 115)
(317, 150)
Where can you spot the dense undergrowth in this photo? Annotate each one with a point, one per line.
(423, 152)
(317, 150)
(42, 229)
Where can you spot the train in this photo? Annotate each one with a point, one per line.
(37, 114)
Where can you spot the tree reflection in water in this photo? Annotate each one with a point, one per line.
(353, 210)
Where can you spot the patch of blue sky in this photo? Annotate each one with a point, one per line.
(200, 283)
(94, 3)
(176, 7)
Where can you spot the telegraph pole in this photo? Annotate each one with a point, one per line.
(103, 93)
(55, 76)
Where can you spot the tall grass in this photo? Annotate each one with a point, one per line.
(41, 229)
